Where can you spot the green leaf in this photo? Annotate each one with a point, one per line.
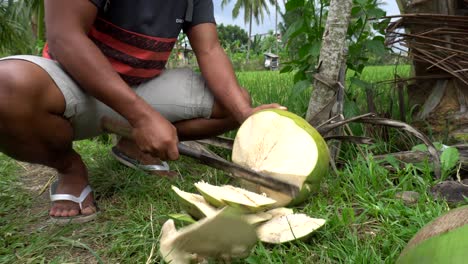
(355, 11)
(299, 76)
(420, 147)
(305, 50)
(376, 46)
(287, 68)
(361, 83)
(300, 87)
(295, 29)
(293, 4)
(392, 161)
(182, 217)
(449, 159)
(361, 2)
(375, 13)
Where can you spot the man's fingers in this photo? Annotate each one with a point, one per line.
(173, 153)
(269, 106)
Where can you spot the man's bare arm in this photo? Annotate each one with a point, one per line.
(68, 23)
(218, 72)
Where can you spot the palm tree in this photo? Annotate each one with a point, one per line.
(253, 9)
(21, 26)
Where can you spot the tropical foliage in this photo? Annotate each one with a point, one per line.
(232, 37)
(304, 23)
(253, 9)
(21, 26)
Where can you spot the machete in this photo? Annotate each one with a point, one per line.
(125, 130)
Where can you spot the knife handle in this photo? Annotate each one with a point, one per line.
(125, 130)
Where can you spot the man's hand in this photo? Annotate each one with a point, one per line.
(252, 111)
(157, 136)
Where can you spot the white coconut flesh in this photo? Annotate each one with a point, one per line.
(194, 204)
(288, 228)
(275, 144)
(257, 218)
(223, 234)
(280, 211)
(168, 252)
(282, 145)
(233, 196)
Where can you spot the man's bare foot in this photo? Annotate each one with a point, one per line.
(64, 208)
(72, 182)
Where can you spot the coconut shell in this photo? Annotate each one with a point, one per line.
(444, 240)
(309, 182)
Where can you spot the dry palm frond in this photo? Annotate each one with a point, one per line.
(441, 41)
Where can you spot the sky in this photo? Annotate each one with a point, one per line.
(224, 15)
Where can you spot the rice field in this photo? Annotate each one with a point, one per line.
(272, 86)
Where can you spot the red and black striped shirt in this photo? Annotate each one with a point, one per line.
(137, 36)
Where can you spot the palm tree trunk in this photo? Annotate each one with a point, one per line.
(41, 23)
(249, 43)
(276, 25)
(324, 95)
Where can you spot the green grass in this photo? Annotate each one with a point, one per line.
(366, 223)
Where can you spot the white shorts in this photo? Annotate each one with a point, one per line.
(177, 94)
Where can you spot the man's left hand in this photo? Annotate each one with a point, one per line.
(252, 111)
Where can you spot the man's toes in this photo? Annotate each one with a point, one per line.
(72, 212)
(53, 211)
(57, 212)
(88, 210)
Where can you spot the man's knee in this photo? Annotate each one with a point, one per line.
(20, 90)
(7, 88)
(7, 80)
(26, 87)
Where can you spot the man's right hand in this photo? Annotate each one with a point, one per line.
(156, 136)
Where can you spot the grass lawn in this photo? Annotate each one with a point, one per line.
(366, 222)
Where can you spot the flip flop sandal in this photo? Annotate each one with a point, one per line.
(162, 169)
(78, 219)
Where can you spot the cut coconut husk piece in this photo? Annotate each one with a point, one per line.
(280, 211)
(444, 240)
(224, 234)
(255, 219)
(288, 228)
(235, 197)
(282, 145)
(168, 252)
(194, 204)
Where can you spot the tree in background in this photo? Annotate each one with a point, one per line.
(253, 9)
(232, 37)
(22, 28)
(304, 30)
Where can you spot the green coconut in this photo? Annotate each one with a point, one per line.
(282, 145)
(194, 204)
(228, 195)
(444, 240)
